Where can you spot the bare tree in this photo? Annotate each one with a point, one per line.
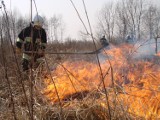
(21, 23)
(134, 12)
(152, 21)
(107, 21)
(121, 21)
(56, 28)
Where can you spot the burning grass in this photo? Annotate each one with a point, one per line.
(133, 89)
(136, 84)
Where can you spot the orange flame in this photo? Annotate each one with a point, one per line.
(158, 54)
(139, 79)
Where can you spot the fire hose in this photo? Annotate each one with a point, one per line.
(91, 52)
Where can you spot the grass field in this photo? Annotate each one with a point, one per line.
(71, 87)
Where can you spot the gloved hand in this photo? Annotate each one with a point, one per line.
(18, 50)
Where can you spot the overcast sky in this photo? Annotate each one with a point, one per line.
(64, 8)
(49, 8)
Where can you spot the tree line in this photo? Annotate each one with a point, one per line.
(138, 18)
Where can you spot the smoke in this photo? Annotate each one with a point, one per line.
(103, 57)
(145, 49)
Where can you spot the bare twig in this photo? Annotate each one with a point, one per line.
(6, 76)
(60, 104)
(14, 54)
(79, 16)
(102, 78)
(71, 75)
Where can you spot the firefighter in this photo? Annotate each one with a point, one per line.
(104, 41)
(32, 42)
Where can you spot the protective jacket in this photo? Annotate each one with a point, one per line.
(104, 41)
(38, 40)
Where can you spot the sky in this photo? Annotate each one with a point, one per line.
(64, 8)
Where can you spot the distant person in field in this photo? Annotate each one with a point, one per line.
(104, 41)
(129, 39)
(32, 42)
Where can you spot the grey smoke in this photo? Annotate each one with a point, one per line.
(146, 49)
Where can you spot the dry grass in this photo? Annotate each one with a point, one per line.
(91, 106)
(42, 109)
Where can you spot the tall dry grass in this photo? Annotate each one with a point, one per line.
(83, 109)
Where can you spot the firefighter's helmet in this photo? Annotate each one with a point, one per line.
(38, 21)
